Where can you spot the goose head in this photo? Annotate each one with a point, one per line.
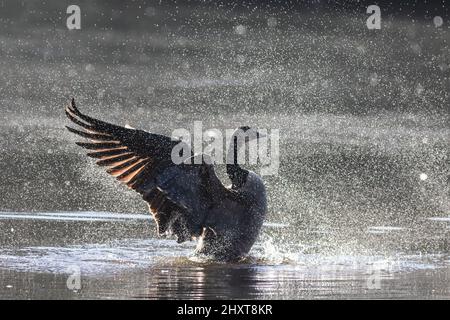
(239, 139)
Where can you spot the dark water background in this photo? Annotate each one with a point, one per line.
(363, 114)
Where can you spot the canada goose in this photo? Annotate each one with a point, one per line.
(185, 199)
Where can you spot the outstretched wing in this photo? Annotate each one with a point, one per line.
(178, 195)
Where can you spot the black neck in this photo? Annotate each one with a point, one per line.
(237, 175)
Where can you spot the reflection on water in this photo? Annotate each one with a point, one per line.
(158, 268)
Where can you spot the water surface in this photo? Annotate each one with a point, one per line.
(155, 268)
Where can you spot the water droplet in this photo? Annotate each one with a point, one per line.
(72, 73)
(272, 22)
(240, 29)
(101, 93)
(419, 89)
(150, 90)
(185, 65)
(89, 68)
(415, 47)
(438, 21)
(240, 59)
(443, 67)
(374, 80)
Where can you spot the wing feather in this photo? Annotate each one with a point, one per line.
(98, 145)
(178, 195)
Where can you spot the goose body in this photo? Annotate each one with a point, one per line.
(235, 225)
(187, 200)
